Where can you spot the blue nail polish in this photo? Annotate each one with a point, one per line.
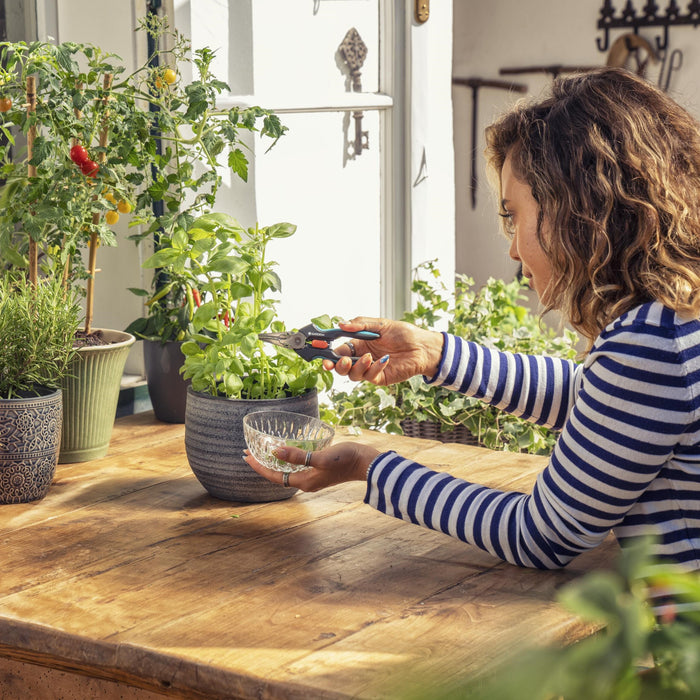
(383, 359)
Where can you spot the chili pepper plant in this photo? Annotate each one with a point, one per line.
(193, 135)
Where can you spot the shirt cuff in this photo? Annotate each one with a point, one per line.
(374, 463)
(443, 354)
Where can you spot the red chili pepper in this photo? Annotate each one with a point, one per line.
(197, 297)
(226, 319)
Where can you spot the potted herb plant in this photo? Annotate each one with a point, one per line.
(231, 285)
(189, 134)
(71, 163)
(491, 316)
(38, 322)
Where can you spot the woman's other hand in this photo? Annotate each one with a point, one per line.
(346, 461)
(401, 351)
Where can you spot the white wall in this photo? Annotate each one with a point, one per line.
(496, 34)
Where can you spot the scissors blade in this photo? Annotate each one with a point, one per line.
(286, 340)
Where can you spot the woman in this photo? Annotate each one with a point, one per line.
(599, 188)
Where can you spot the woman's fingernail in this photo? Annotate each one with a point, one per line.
(384, 359)
(280, 453)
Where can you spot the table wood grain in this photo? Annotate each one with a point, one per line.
(129, 571)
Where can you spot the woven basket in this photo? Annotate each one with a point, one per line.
(429, 430)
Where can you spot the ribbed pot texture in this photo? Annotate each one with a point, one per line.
(30, 434)
(91, 394)
(166, 387)
(214, 444)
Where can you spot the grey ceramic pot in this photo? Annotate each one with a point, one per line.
(166, 387)
(30, 435)
(214, 443)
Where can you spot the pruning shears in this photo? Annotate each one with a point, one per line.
(311, 342)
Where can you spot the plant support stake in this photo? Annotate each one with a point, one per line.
(31, 172)
(94, 238)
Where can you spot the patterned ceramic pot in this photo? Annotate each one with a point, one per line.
(214, 443)
(30, 436)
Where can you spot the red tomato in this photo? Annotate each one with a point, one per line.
(79, 154)
(5, 104)
(89, 168)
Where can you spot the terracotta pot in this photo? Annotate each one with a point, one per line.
(90, 397)
(30, 434)
(166, 387)
(214, 443)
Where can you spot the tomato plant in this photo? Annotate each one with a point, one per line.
(111, 217)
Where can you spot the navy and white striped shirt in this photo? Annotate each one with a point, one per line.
(627, 459)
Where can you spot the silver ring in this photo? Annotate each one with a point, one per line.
(307, 461)
(352, 348)
(285, 480)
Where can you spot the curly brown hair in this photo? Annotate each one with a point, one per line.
(614, 165)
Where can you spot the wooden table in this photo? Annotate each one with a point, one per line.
(129, 576)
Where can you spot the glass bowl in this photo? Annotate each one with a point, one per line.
(265, 431)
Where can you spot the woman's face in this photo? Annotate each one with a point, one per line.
(520, 207)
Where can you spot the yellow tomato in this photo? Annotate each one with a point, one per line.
(170, 76)
(110, 198)
(124, 206)
(111, 217)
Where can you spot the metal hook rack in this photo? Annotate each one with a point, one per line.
(629, 19)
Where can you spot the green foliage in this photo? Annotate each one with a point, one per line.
(492, 316)
(37, 329)
(229, 288)
(634, 656)
(186, 174)
(157, 140)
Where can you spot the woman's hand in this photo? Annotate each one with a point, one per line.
(402, 351)
(346, 461)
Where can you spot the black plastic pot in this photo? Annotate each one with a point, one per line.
(166, 387)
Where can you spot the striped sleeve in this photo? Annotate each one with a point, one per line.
(636, 405)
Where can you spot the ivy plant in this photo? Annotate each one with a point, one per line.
(493, 316)
(230, 286)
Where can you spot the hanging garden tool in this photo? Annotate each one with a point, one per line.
(633, 52)
(553, 69)
(475, 84)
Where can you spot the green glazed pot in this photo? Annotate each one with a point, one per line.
(30, 432)
(90, 397)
